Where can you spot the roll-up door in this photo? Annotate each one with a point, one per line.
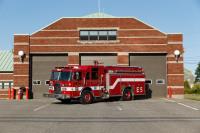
(155, 69)
(105, 59)
(41, 71)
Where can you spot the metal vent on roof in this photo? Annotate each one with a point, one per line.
(98, 15)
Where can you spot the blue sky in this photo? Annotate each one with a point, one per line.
(170, 16)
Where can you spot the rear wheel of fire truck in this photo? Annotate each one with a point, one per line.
(127, 95)
(86, 97)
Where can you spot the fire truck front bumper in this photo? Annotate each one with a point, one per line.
(61, 96)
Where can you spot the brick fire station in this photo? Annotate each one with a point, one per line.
(122, 41)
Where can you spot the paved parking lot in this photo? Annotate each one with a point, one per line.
(49, 115)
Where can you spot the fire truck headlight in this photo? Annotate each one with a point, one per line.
(69, 84)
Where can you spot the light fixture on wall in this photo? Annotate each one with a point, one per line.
(177, 54)
(21, 55)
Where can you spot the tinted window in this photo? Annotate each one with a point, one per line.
(36, 82)
(112, 35)
(148, 81)
(84, 35)
(61, 76)
(94, 73)
(160, 81)
(77, 75)
(6, 84)
(87, 76)
(98, 35)
(103, 35)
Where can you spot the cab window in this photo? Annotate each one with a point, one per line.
(94, 73)
(77, 75)
(87, 75)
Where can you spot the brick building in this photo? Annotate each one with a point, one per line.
(122, 41)
(6, 73)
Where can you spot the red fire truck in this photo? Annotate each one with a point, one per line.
(90, 82)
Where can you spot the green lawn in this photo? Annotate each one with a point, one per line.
(192, 96)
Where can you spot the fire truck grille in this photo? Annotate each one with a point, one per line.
(57, 89)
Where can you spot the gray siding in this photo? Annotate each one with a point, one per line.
(106, 59)
(41, 70)
(155, 68)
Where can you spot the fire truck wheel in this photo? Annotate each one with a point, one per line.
(86, 97)
(127, 95)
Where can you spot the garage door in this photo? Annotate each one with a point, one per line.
(41, 71)
(155, 70)
(106, 59)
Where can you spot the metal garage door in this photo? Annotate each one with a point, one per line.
(41, 70)
(106, 59)
(155, 70)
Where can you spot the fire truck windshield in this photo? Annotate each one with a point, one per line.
(61, 76)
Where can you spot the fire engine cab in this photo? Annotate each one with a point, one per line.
(90, 82)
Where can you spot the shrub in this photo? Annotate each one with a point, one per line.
(196, 89)
(187, 88)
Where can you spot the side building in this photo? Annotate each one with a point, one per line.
(6, 73)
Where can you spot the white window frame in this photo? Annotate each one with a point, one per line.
(36, 81)
(1, 84)
(46, 82)
(163, 81)
(150, 80)
(7, 83)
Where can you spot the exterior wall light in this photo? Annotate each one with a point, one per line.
(177, 54)
(21, 55)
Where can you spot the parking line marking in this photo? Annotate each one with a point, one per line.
(41, 107)
(173, 101)
(188, 106)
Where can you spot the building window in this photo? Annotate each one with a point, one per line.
(84, 35)
(36, 82)
(6, 84)
(103, 35)
(11, 84)
(160, 81)
(112, 35)
(93, 35)
(148, 81)
(47, 82)
(98, 35)
(1, 85)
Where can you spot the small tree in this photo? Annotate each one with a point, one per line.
(186, 85)
(187, 88)
(197, 73)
